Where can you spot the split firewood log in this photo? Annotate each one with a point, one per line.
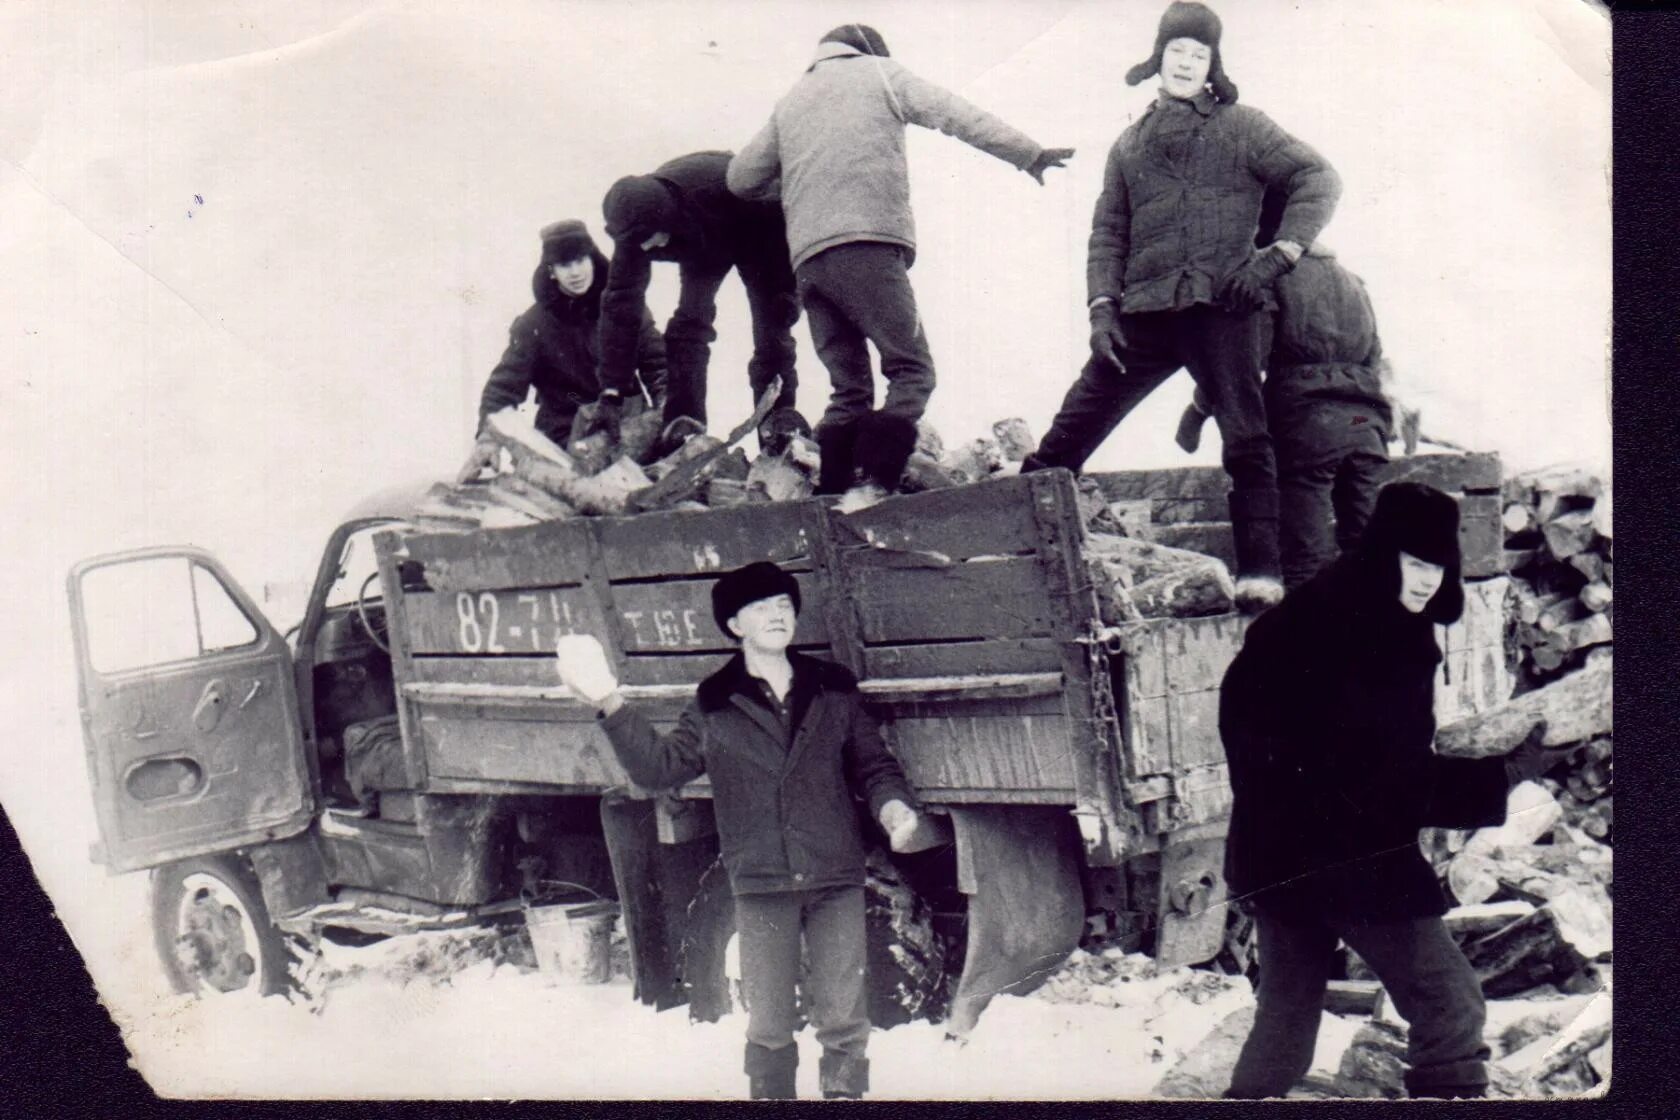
(1568, 533)
(1014, 439)
(684, 479)
(1575, 707)
(514, 491)
(923, 472)
(1529, 952)
(773, 478)
(1157, 581)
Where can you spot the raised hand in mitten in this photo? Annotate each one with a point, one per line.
(584, 668)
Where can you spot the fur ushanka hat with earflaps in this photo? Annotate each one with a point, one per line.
(1185, 20)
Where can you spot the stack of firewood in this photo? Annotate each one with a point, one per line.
(1558, 551)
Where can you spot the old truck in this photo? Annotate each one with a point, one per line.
(408, 759)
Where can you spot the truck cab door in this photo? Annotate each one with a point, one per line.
(189, 710)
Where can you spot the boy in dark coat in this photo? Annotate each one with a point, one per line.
(552, 345)
(1327, 406)
(833, 152)
(1174, 280)
(1327, 717)
(785, 741)
(683, 212)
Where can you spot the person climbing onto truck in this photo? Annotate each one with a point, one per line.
(1328, 405)
(833, 152)
(1327, 719)
(683, 212)
(552, 346)
(786, 742)
(1174, 280)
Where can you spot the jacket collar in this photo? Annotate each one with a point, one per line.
(826, 51)
(732, 678)
(1204, 102)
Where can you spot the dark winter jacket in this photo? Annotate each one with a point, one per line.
(1327, 717)
(785, 813)
(1181, 201)
(552, 348)
(1324, 395)
(714, 232)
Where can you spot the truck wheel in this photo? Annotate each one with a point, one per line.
(706, 935)
(907, 974)
(212, 931)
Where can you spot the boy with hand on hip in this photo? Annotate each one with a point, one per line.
(785, 741)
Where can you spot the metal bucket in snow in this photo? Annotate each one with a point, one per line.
(573, 940)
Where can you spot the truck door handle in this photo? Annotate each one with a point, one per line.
(208, 713)
(256, 687)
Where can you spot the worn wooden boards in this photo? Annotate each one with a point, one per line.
(1188, 506)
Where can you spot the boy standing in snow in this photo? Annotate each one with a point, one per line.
(785, 741)
(833, 152)
(1327, 407)
(1174, 280)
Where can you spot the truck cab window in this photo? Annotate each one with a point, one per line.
(355, 565)
(159, 610)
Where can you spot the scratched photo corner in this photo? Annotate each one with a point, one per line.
(1002, 550)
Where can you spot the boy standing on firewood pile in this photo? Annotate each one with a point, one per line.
(1328, 722)
(552, 346)
(1328, 406)
(833, 152)
(786, 742)
(1174, 280)
(683, 212)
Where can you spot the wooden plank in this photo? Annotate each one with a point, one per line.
(537, 672)
(1198, 651)
(550, 554)
(1481, 535)
(1021, 655)
(1149, 738)
(649, 617)
(706, 543)
(1146, 660)
(1195, 730)
(839, 605)
(1178, 511)
(1453, 472)
(466, 745)
(1199, 797)
(982, 599)
(985, 749)
(1200, 483)
(1207, 537)
(989, 518)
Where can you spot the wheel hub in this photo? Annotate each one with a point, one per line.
(215, 939)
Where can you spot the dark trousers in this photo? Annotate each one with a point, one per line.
(689, 336)
(1432, 986)
(831, 924)
(856, 294)
(1224, 353)
(1330, 427)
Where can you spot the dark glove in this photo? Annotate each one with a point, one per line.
(1189, 434)
(1107, 339)
(1532, 758)
(1244, 291)
(606, 415)
(1048, 158)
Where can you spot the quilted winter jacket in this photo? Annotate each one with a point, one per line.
(833, 150)
(785, 813)
(1323, 390)
(1181, 201)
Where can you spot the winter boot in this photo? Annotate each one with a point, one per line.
(779, 427)
(838, 444)
(843, 1076)
(884, 443)
(675, 434)
(771, 1073)
(1254, 525)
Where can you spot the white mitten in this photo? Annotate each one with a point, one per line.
(899, 821)
(584, 667)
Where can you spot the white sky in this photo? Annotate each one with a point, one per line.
(258, 258)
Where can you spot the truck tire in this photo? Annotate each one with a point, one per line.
(212, 931)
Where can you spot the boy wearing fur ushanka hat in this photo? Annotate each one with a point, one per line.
(1327, 716)
(786, 743)
(1174, 280)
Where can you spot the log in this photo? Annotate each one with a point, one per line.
(609, 491)
(1014, 439)
(923, 473)
(1568, 533)
(1193, 592)
(1134, 515)
(724, 492)
(928, 440)
(1575, 707)
(1601, 515)
(1529, 952)
(513, 491)
(541, 463)
(692, 447)
(1374, 1064)
(1584, 1034)
(772, 478)
(682, 480)
(1559, 613)
(1205, 1070)
(1593, 630)
(1597, 597)
(593, 453)
(1481, 918)
(974, 460)
(1352, 997)
(1544, 1022)
(1589, 564)
(1517, 517)
(1520, 559)
(1531, 812)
